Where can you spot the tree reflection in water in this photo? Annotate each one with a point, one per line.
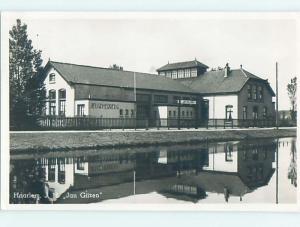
(292, 172)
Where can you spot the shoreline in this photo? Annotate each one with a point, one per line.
(45, 141)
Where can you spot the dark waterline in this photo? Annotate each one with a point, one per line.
(220, 172)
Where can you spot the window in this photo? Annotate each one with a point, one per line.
(126, 113)
(169, 74)
(228, 112)
(174, 113)
(61, 171)
(162, 73)
(174, 74)
(255, 112)
(62, 94)
(265, 112)
(52, 102)
(244, 112)
(52, 94)
(170, 113)
(176, 99)
(260, 93)
(52, 108)
(191, 113)
(249, 90)
(180, 73)
(160, 98)
(194, 73)
(51, 169)
(121, 112)
(254, 92)
(187, 113)
(80, 110)
(182, 113)
(52, 78)
(187, 73)
(80, 163)
(62, 102)
(62, 107)
(132, 113)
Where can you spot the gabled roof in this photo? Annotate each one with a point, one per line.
(182, 65)
(82, 74)
(214, 82)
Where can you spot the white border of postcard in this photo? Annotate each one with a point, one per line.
(122, 207)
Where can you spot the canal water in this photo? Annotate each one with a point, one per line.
(248, 171)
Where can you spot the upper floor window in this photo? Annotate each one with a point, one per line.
(62, 94)
(254, 92)
(180, 73)
(162, 73)
(249, 92)
(174, 74)
(169, 74)
(52, 78)
(260, 93)
(160, 98)
(194, 73)
(52, 94)
(187, 73)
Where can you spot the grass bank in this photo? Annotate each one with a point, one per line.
(58, 141)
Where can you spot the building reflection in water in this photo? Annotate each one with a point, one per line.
(182, 172)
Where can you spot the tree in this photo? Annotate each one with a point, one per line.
(116, 67)
(27, 93)
(292, 93)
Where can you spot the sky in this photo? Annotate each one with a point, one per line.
(144, 43)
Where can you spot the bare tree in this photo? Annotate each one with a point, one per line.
(292, 93)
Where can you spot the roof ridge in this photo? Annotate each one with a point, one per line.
(98, 67)
(242, 70)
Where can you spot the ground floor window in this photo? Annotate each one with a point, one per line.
(80, 163)
(61, 171)
(265, 112)
(228, 112)
(51, 170)
(80, 110)
(52, 108)
(62, 107)
(244, 112)
(255, 113)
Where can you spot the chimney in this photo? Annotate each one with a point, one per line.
(241, 66)
(227, 70)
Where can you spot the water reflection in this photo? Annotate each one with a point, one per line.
(292, 172)
(187, 173)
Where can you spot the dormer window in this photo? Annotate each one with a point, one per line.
(52, 78)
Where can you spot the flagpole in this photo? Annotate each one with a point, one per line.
(277, 95)
(134, 86)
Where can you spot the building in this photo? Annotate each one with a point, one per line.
(227, 93)
(184, 90)
(77, 90)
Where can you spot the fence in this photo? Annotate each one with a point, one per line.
(89, 123)
(240, 123)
